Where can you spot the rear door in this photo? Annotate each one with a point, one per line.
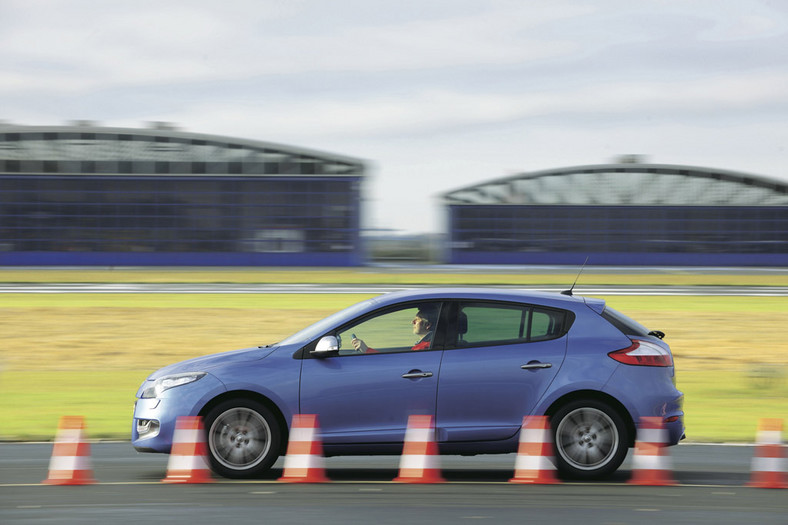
(502, 359)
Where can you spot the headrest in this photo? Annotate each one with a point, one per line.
(462, 323)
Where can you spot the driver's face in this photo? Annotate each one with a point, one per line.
(420, 325)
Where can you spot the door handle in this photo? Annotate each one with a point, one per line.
(416, 375)
(535, 365)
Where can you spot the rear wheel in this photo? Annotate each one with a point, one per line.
(244, 438)
(591, 439)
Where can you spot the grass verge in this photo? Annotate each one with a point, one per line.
(563, 276)
(721, 406)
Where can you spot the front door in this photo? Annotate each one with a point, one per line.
(367, 393)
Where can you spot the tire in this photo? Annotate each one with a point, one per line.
(591, 439)
(244, 438)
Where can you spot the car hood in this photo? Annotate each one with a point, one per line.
(208, 362)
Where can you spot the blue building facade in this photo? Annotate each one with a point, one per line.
(629, 213)
(86, 195)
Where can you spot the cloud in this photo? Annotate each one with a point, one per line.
(94, 47)
(434, 92)
(442, 110)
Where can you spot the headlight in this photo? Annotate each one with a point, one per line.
(167, 382)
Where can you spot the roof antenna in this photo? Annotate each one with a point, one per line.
(569, 291)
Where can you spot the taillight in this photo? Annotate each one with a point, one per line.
(643, 353)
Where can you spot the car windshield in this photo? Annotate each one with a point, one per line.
(319, 328)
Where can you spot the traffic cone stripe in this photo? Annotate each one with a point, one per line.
(186, 433)
(535, 448)
(769, 437)
(648, 449)
(653, 435)
(770, 451)
(69, 435)
(535, 436)
(418, 462)
(414, 448)
(523, 462)
(303, 461)
(68, 463)
(304, 447)
(651, 462)
(71, 449)
(187, 463)
(189, 448)
(769, 464)
(418, 435)
(302, 434)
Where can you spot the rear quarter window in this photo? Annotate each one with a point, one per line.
(626, 325)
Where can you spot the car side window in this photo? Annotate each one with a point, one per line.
(400, 330)
(485, 324)
(546, 324)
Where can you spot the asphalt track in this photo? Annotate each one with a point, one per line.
(711, 489)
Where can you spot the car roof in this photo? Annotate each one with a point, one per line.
(489, 293)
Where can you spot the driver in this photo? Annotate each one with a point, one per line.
(423, 325)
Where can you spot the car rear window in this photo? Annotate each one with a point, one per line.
(627, 325)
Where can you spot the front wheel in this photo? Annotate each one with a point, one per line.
(244, 438)
(591, 439)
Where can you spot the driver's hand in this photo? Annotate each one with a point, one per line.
(359, 345)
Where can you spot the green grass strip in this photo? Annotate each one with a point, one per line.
(414, 275)
(720, 406)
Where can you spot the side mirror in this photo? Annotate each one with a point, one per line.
(327, 346)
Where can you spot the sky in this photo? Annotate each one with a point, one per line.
(433, 95)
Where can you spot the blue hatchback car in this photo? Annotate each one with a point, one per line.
(477, 360)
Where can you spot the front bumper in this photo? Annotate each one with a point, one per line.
(153, 424)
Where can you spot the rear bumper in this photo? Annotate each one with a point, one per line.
(650, 392)
(676, 431)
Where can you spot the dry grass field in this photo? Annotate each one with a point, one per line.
(146, 331)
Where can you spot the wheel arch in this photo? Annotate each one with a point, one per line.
(597, 396)
(259, 398)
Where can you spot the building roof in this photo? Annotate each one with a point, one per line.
(161, 142)
(626, 184)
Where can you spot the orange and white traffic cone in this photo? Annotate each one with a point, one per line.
(769, 463)
(651, 462)
(420, 458)
(188, 457)
(304, 462)
(535, 459)
(70, 462)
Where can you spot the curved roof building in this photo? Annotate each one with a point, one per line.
(83, 194)
(626, 213)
